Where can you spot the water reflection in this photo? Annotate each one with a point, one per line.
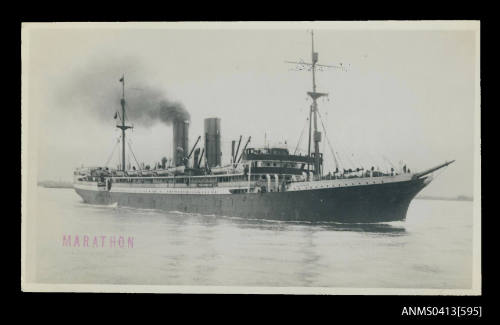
(173, 248)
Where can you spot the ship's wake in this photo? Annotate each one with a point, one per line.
(392, 228)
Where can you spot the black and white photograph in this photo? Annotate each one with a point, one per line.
(338, 158)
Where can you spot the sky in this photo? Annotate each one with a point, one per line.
(407, 96)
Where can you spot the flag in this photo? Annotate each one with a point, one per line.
(116, 115)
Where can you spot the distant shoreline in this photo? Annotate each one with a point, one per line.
(55, 184)
(440, 198)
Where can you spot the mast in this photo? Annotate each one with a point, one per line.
(309, 143)
(123, 127)
(314, 112)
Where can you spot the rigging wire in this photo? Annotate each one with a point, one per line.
(371, 161)
(338, 156)
(374, 160)
(343, 151)
(328, 140)
(356, 160)
(353, 163)
(300, 138)
(347, 158)
(133, 155)
(351, 160)
(326, 122)
(390, 163)
(112, 152)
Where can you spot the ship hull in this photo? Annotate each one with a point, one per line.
(355, 204)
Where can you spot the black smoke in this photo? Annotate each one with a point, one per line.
(95, 89)
(149, 105)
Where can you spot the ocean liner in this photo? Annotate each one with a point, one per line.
(259, 183)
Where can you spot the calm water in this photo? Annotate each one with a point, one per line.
(431, 249)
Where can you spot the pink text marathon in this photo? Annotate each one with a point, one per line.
(98, 241)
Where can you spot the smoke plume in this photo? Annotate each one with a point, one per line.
(150, 105)
(99, 94)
